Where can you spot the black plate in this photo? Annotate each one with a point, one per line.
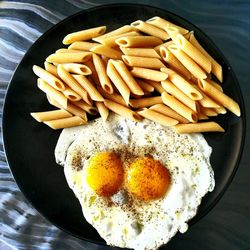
(29, 145)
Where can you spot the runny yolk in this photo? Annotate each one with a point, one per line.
(147, 179)
(105, 173)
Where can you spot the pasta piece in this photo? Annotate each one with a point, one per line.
(165, 110)
(157, 86)
(49, 78)
(221, 110)
(114, 97)
(166, 44)
(143, 62)
(71, 95)
(207, 102)
(50, 115)
(51, 69)
(86, 46)
(65, 122)
(179, 107)
(63, 50)
(110, 41)
(173, 62)
(149, 74)
(194, 53)
(188, 63)
(94, 76)
(138, 41)
(183, 85)
(143, 52)
(58, 96)
(150, 29)
(84, 35)
(72, 83)
(157, 117)
(179, 94)
(118, 81)
(215, 84)
(104, 112)
(102, 75)
(198, 128)
(127, 77)
(73, 109)
(106, 51)
(202, 116)
(216, 67)
(173, 32)
(122, 30)
(162, 23)
(88, 108)
(77, 68)
(145, 102)
(122, 110)
(89, 87)
(146, 87)
(220, 97)
(208, 111)
(80, 57)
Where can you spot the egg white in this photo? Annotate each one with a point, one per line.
(138, 225)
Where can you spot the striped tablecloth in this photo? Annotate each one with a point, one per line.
(226, 22)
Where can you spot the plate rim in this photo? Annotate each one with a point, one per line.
(195, 219)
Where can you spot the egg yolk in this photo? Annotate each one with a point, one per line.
(105, 173)
(147, 179)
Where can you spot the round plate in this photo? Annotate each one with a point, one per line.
(30, 145)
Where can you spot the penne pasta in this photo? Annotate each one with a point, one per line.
(122, 30)
(51, 69)
(143, 52)
(188, 63)
(127, 77)
(220, 97)
(162, 23)
(179, 107)
(73, 109)
(102, 74)
(194, 53)
(55, 94)
(104, 112)
(65, 122)
(71, 95)
(84, 35)
(150, 29)
(145, 102)
(165, 110)
(216, 67)
(118, 81)
(80, 57)
(106, 51)
(146, 87)
(221, 110)
(143, 62)
(157, 117)
(122, 110)
(50, 115)
(202, 116)
(110, 41)
(215, 84)
(77, 68)
(86, 46)
(157, 86)
(149, 74)
(179, 94)
(198, 128)
(166, 44)
(183, 85)
(86, 107)
(207, 102)
(174, 63)
(138, 41)
(89, 87)
(53, 81)
(94, 76)
(113, 97)
(208, 111)
(63, 50)
(72, 83)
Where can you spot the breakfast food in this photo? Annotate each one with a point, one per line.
(138, 183)
(136, 66)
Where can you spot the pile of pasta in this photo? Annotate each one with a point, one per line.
(150, 69)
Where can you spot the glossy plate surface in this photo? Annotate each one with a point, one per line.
(29, 145)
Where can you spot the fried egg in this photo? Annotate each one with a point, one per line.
(138, 183)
